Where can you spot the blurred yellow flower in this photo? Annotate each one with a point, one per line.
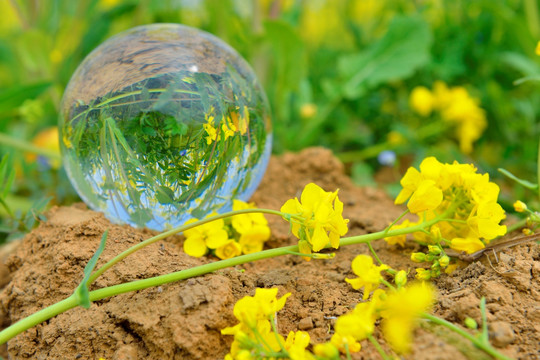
(538, 49)
(395, 138)
(456, 107)
(327, 350)
(402, 309)
(46, 139)
(307, 111)
(296, 344)
(357, 324)
(422, 100)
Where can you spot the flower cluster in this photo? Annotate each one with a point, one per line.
(464, 201)
(316, 219)
(256, 336)
(241, 234)
(456, 107)
(234, 122)
(398, 308)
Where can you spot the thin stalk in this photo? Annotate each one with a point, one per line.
(374, 253)
(28, 147)
(486, 347)
(37, 318)
(379, 348)
(171, 232)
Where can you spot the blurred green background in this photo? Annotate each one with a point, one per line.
(383, 83)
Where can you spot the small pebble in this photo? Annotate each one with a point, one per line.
(501, 334)
(305, 324)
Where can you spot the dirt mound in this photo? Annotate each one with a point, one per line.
(183, 320)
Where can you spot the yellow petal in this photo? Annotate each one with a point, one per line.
(195, 246)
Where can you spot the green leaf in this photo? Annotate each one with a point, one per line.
(82, 293)
(165, 195)
(525, 183)
(289, 53)
(14, 96)
(7, 176)
(521, 63)
(401, 51)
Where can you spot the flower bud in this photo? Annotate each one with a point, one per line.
(527, 231)
(471, 323)
(444, 261)
(423, 274)
(520, 206)
(418, 257)
(435, 250)
(323, 256)
(401, 278)
(430, 257)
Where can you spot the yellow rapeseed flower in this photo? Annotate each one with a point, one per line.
(296, 344)
(369, 275)
(426, 197)
(538, 49)
(210, 235)
(321, 213)
(357, 324)
(229, 250)
(402, 309)
(468, 245)
(485, 223)
(468, 198)
(263, 304)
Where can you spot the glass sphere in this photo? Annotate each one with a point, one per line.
(163, 123)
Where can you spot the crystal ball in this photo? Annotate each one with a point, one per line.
(163, 123)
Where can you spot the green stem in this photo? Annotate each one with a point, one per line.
(486, 347)
(38, 318)
(28, 147)
(99, 294)
(379, 348)
(374, 253)
(171, 232)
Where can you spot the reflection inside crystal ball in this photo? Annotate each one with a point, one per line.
(163, 123)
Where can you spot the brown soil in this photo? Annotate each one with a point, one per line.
(183, 320)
